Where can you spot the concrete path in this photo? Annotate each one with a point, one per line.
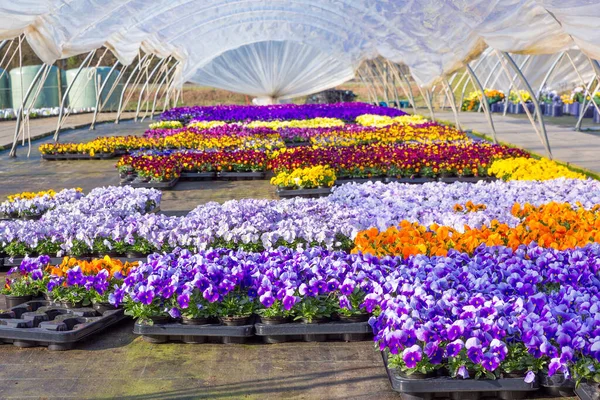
(581, 149)
(42, 127)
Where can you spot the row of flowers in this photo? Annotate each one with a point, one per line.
(556, 225)
(238, 136)
(234, 113)
(34, 204)
(499, 311)
(113, 224)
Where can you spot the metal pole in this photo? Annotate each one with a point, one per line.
(511, 84)
(64, 99)
(156, 67)
(484, 101)
(452, 100)
(99, 95)
(119, 111)
(159, 86)
(536, 103)
(596, 69)
(464, 89)
(20, 112)
(410, 94)
(487, 80)
(427, 101)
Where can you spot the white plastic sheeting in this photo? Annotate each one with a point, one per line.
(432, 37)
(275, 68)
(564, 77)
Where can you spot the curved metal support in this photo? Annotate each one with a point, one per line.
(549, 74)
(35, 80)
(585, 107)
(135, 70)
(148, 78)
(487, 80)
(99, 95)
(484, 101)
(511, 84)
(464, 89)
(410, 94)
(427, 99)
(160, 85)
(66, 94)
(535, 101)
(452, 100)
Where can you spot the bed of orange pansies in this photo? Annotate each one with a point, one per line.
(554, 225)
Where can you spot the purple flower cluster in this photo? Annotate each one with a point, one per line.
(39, 205)
(233, 113)
(535, 308)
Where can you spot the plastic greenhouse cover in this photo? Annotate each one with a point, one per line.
(432, 37)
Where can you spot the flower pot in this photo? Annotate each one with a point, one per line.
(70, 304)
(160, 319)
(235, 320)
(194, 321)
(135, 254)
(354, 337)
(13, 301)
(273, 339)
(557, 385)
(596, 116)
(103, 307)
(315, 337)
(574, 109)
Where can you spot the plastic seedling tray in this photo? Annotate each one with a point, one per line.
(557, 385)
(416, 181)
(154, 185)
(470, 179)
(41, 323)
(318, 192)
(586, 391)
(346, 331)
(296, 144)
(358, 180)
(467, 389)
(199, 175)
(241, 175)
(162, 333)
(15, 262)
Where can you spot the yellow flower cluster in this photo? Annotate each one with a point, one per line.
(305, 178)
(206, 124)
(298, 123)
(166, 125)
(514, 96)
(32, 195)
(529, 169)
(382, 120)
(389, 135)
(566, 98)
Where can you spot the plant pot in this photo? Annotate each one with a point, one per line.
(315, 337)
(194, 321)
(235, 320)
(103, 307)
(135, 254)
(13, 301)
(354, 337)
(574, 109)
(416, 375)
(70, 305)
(557, 385)
(274, 339)
(160, 319)
(596, 116)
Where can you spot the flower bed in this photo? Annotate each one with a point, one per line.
(33, 205)
(427, 160)
(531, 169)
(91, 225)
(234, 113)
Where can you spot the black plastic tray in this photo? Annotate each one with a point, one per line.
(234, 176)
(343, 181)
(470, 179)
(414, 181)
(585, 391)
(199, 175)
(557, 385)
(59, 157)
(154, 185)
(41, 323)
(296, 144)
(17, 261)
(345, 331)
(311, 193)
(468, 389)
(162, 333)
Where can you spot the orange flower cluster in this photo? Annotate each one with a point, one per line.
(554, 225)
(112, 265)
(469, 207)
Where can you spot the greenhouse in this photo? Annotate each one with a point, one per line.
(300, 199)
